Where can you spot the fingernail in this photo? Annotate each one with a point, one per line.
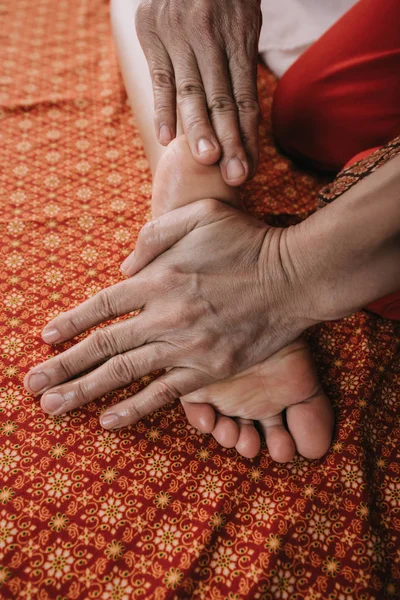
(52, 402)
(51, 336)
(235, 168)
(204, 146)
(165, 134)
(109, 421)
(38, 381)
(127, 263)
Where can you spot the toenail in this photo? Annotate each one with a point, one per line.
(38, 381)
(52, 402)
(51, 336)
(235, 168)
(204, 146)
(165, 134)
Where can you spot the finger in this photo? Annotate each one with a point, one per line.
(311, 424)
(200, 416)
(119, 371)
(279, 441)
(226, 431)
(243, 70)
(161, 234)
(174, 384)
(101, 345)
(109, 303)
(162, 77)
(249, 443)
(224, 115)
(192, 105)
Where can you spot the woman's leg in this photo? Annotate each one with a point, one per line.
(342, 96)
(136, 79)
(289, 378)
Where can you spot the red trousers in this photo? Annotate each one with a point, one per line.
(341, 99)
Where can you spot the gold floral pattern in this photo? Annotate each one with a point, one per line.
(158, 510)
(357, 171)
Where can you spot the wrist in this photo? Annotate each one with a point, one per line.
(286, 294)
(348, 254)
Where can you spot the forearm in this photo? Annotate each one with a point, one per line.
(348, 254)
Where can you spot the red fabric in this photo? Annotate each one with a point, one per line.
(342, 97)
(158, 511)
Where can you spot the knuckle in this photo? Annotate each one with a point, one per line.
(189, 88)
(104, 305)
(121, 370)
(194, 121)
(205, 15)
(248, 104)
(164, 393)
(224, 365)
(185, 315)
(164, 111)
(160, 282)
(221, 103)
(191, 102)
(74, 323)
(163, 79)
(67, 366)
(102, 343)
(232, 145)
(204, 342)
(132, 413)
(80, 394)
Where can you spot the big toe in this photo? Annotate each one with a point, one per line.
(311, 424)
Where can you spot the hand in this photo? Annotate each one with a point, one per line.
(215, 299)
(202, 56)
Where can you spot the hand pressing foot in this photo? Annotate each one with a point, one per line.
(285, 381)
(181, 180)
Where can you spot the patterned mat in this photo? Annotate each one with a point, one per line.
(158, 510)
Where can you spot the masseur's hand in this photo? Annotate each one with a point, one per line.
(217, 296)
(202, 56)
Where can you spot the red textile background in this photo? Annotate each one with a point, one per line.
(158, 510)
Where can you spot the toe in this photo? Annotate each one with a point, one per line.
(248, 444)
(226, 431)
(201, 416)
(311, 424)
(279, 441)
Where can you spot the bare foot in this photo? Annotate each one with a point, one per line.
(287, 380)
(181, 180)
